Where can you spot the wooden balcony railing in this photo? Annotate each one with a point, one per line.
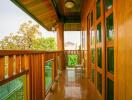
(73, 52)
(14, 64)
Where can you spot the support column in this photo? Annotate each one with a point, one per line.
(60, 42)
(60, 36)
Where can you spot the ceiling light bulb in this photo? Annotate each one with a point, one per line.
(69, 4)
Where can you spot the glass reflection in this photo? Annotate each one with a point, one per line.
(110, 28)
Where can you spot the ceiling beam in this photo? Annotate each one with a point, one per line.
(76, 19)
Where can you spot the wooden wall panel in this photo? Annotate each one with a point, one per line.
(90, 6)
(123, 43)
(128, 22)
(120, 46)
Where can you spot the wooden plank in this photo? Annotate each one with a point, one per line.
(2, 70)
(40, 76)
(23, 62)
(43, 76)
(10, 66)
(128, 30)
(32, 78)
(22, 52)
(17, 64)
(27, 62)
(115, 16)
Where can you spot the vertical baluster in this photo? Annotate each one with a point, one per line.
(43, 75)
(40, 75)
(2, 71)
(10, 66)
(28, 78)
(6, 62)
(32, 89)
(14, 64)
(27, 62)
(17, 64)
(22, 62)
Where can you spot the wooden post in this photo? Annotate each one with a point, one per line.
(60, 40)
(60, 36)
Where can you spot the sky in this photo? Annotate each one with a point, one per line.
(73, 36)
(11, 17)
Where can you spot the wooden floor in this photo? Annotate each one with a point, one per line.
(73, 85)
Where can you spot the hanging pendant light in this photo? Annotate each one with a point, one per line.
(69, 4)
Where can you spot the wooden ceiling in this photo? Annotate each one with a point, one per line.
(72, 26)
(49, 12)
(66, 14)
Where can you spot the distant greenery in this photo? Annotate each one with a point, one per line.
(72, 60)
(28, 37)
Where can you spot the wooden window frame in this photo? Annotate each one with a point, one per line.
(109, 44)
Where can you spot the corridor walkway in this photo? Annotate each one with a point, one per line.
(73, 86)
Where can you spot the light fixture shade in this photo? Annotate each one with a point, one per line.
(53, 28)
(69, 4)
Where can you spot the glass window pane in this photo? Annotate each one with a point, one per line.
(93, 55)
(99, 52)
(109, 25)
(13, 90)
(110, 59)
(99, 33)
(99, 82)
(110, 89)
(48, 74)
(98, 12)
(92, 37)
(108, 4)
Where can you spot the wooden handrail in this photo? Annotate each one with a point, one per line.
(6, 80)
(22, 52)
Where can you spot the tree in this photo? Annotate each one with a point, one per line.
(44, 44)
(27, 38)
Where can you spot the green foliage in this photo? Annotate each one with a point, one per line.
(44, 44)
(72, 60)
(27, 38)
